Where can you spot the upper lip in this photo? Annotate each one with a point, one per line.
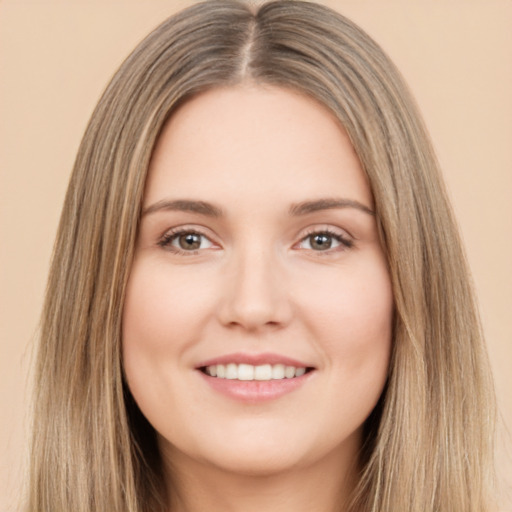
(255, 360)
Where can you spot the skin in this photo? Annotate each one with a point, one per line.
(259, 282)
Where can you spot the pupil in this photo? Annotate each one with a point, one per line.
(190, 241)
(321, 242)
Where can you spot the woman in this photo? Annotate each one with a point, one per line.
(177, 350)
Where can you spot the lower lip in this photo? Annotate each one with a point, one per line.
(255, 391)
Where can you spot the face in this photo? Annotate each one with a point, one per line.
(258, 316)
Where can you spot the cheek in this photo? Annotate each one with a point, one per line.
(351, 315)
(163, 309)
(354, 304)
(163, 315)
(356, 332)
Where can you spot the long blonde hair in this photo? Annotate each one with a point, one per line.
(428, 444)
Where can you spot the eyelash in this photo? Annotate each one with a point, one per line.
(167, 239)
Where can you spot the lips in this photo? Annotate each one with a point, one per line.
(254, 377)
(254, 359)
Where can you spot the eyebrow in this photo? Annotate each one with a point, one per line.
(296, 210)
(184, 205)
(306, 207)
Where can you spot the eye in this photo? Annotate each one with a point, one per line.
(185, 241)
(324, 241)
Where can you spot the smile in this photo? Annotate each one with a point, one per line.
(248, 372)
(255, 378)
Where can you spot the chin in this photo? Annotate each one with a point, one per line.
(259, 462)
(263, 453)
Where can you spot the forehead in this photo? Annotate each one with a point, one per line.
(250, 142)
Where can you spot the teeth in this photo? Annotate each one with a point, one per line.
(263, 372)
(300, 371)
(289, 372)
(234, 371)
(245, 372)
(231, 371)
(278, 371)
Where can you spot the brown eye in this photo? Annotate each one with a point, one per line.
(189, 241)
(320, 241)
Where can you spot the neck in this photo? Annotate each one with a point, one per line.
(323, 487)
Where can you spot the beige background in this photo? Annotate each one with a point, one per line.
(55, 59)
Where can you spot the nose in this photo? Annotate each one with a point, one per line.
(256, 295)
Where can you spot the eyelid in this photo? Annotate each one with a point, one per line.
(325, 228)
